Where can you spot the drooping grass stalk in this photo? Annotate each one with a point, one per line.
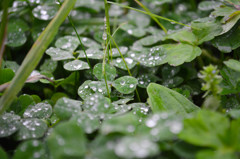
(3, 29)
(79, 39)
(151, 14)
(35, 54)
(108, 29)
(104, 60)
(129, 72)
(155, 19)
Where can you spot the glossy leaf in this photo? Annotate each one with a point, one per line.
(67, 140)
(58, 54)
(31, 129)
(32, 149)
(76, 65)
(40, 110)
(125, 84)
(9, 124)
(65, 108)
(111, 72)
(162, 99)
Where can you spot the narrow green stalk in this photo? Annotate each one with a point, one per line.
(155, 19)
(151, 14)
(3, 29)
(104, 60)
(129, 72)
(107, 27)
(79, 39)
(34, 55)
(210, 57)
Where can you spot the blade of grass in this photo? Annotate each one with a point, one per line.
(34, 55)
(108, 29)
(3, 29)
(129, 72)
(79, 39)
(104, 60)
(155, 19)
(151, 14)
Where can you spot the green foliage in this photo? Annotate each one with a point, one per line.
(162, 99)
(118, 80)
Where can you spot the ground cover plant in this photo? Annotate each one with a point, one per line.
(119, 79)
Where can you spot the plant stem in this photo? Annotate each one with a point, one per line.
(34, 55)
(3, 29)
(209, 56)
(129, 72)
(108, 29)
(151, 14)
(155, 19)
(79, 39)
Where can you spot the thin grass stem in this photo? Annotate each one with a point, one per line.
(79, 39)
(129, 72)
(151, 14)
(155, 19)
(3, 29)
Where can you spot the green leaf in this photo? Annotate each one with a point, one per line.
(125, 84)
(150, 40)
(145, 79)
(21, 104)
(69, 43)
(119, 63)
(228, 41)
(140, 20)
(90, 43)
(230, 23)
(206, 29)
(45, 12)
(134, 31)
(16, 32)
(98, 105)
(143, 147)
(67, 140)
(230, 82)
(163, 99)
(115, 52)
(12, 65)
(32, 149)
(65, 108)
(111, 72)
(48, 65)
(99, 87)
(76, 65)
(6, 75)
(233, 64)
(210, 154)
(92, 53)
(84, 90)
(3, 154)
(177, 54)
(58, 54)
(89, 122)
(184, 36)
(154, 57)
(9, 124)
(40, 110)
(31, 129)
(125, 124)
(208, 5)
(202, 130)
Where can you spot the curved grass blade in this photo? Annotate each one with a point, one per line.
(154, 18)
(3, 29)
(34, 55)
(150, 14)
